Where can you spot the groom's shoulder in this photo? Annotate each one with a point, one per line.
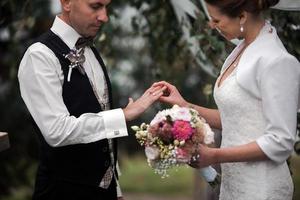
(35, 44)
(47, 43)
(38, 48)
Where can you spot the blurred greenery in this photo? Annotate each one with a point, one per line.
(139, 49)
(138, 177)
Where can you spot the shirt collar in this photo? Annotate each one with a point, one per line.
(65, 32)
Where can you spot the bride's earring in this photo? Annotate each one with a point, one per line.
(242, 28)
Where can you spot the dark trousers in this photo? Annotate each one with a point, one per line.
(62, 190)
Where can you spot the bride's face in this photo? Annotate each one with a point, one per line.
(228, 27)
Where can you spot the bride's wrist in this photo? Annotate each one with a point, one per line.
(186, 104)
(216, 155)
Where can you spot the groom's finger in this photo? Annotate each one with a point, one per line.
(152, 89)
(155, 90)
(130, 101)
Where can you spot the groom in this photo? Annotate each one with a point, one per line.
(65, 86)
(78, 154)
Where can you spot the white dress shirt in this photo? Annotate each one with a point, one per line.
(271, 74)
(41, 79)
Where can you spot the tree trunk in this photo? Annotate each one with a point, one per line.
(4, 141)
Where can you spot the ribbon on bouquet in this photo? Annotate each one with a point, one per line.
(211, 176)
(208, 173)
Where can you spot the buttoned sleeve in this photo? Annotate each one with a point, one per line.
(279, 87)
(40, 78)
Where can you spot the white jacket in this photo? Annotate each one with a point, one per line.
(269, 73)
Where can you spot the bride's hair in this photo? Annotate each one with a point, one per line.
(234, 8)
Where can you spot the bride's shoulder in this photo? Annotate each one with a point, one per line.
(268, 51)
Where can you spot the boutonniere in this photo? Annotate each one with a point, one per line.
(76, 58)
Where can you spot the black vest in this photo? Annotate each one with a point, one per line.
(80, 163)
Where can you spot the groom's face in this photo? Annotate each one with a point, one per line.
(87, 16)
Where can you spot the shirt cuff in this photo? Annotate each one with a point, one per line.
(114, 123)
(119, 192)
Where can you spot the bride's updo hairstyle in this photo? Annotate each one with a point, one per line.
(233, 8)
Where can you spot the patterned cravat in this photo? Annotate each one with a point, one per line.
(107, 178)
(109, 174)
(105, 105)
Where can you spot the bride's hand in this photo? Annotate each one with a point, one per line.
(136, 108)
(171, 94)
(206, 157)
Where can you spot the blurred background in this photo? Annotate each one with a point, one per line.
(144, 41)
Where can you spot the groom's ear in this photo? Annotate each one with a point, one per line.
(66, 5)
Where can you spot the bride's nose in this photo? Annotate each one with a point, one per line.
(211, 24)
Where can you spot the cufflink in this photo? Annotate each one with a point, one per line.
(116, 132)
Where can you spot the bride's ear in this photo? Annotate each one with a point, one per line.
(243, 18)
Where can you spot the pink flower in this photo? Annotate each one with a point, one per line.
(182, 130)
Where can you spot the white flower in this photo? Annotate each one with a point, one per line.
(152, 153)
(209, 134)
(135, 128)
(159, 117)
(176, 113)
(180, 113)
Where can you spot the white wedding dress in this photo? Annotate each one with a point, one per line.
(242, 123)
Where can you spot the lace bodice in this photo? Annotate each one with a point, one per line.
(243, 122)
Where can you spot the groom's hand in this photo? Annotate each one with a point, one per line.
(171, 95)
(136, 108)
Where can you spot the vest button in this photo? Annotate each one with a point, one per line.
(104, 149)
(106, 164)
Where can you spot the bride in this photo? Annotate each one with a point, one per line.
(257, 95)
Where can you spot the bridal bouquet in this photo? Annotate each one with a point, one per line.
(173, 137)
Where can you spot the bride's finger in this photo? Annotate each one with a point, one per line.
(160, 83)
(152, 89)
(159, 91)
